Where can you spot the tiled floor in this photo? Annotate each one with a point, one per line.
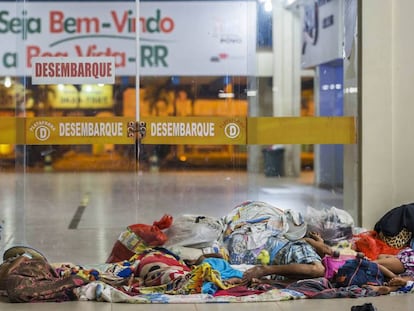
(382, 303)
(77, 217)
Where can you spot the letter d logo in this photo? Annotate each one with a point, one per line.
(42, 133)
(232, 130)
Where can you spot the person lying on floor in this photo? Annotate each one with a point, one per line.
(160, 267)
(400, 264)
(27, 276)
(160, 271)
(389, 271)
(302, 260)
(302, 277)
(323, 250)
(397, 270)
(390, 266)
(296, 260)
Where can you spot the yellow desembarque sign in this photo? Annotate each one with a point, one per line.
(195, 130)
(179, 130)
(77, 130)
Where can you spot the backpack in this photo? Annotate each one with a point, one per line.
(359, 271)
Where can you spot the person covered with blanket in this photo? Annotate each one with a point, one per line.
(27, 276)
(160, 270)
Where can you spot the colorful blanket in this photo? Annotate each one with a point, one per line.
(99, 291)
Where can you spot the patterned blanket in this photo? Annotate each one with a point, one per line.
(155, 276)
(99, 291)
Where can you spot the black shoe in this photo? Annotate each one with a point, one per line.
(364, 307)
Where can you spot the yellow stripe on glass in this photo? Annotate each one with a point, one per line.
(179, 130)
(12, 130)
(301, 130)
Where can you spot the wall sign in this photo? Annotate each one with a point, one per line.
(207, 38)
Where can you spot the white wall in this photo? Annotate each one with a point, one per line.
(403, 101)
(387, 115)
(376, 135)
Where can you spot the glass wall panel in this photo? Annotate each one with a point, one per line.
(74, 165)
(118, 113)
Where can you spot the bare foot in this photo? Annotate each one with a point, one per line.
(397, 281)
(381, 290)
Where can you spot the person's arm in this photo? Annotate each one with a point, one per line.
(386, 272)
(392, 263)
(293, 270)
(316, 241)
(320, 247)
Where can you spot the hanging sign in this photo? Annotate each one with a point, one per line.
(73, 70)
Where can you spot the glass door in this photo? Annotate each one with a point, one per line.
(69, 147)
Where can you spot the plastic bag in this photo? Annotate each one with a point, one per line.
(332, 224)
(194, 231)
(139, 237)
(152, 234)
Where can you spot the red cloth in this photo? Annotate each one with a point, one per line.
(152, 234)
(147, 235)
(371, 245)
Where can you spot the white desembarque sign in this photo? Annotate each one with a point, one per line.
(72, 70)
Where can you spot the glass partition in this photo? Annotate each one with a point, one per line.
(116, 113)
